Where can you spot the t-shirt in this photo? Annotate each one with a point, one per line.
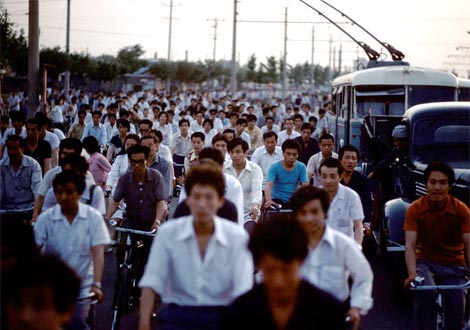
(439, 232)
(42, 151)
(285, 183)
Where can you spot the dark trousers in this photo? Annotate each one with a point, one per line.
(175, 317)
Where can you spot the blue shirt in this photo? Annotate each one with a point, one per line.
(285, 183)
(99, 133)
(17, 189)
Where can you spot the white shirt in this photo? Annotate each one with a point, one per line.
(195, 127)
(50, 175)
(176, 271)
(329, 265)
(313, 167)
(52, 139)
(264, 160)
(57, 114)
(345, 208)
(251, 179)
(119, 167)
(167, 132)
(72, 242)
(180, 145)
(209, 136)
(233, 192)
(265, 129)
(283, 136)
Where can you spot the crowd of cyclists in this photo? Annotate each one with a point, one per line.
(226, 257)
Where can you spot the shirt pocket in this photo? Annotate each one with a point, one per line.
(218, 274)
(343, 219)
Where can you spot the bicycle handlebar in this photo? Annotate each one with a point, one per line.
(415, 285)
(132, 231)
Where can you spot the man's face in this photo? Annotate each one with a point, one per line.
(81, 119)
(18, 125)
(437, 187)
(184, 128)
(32, 131)
(312, 217)
(203, 201)
(241, 128)
(112, 120)
(349, 161)
(129, 143)
(280, 278)
(66, 151)
(96, 120)
(251, 124)
(400, 144)
(269, 123)
(238, 156)
(306, 135)
(290, 157)
(144, 129)
(270, 144)
(15, 152)
(199, 118)
(221, 146)
(233, 121)
(326, 147)
(67, 195)
(34, 309)
(138, 163)
(207, 127)
(298, 123)
(3, 125)
(197, 144)
(330, 178)
(289, 125)
(150, 143)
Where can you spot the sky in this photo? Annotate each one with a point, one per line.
(428, 32)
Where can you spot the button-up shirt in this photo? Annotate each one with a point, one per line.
(313, 167)
(264, 160)
(251, 178)
(178, 273)
(18, 189)
(163, 166)
(345, 208)
(329, 265)
(98, 132)
(307, 151)
(283, 136)
(72, 242)
(180, 145)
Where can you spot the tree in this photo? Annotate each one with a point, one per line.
(128, 59)
(271, 74)
(251, 68)
(14, 47)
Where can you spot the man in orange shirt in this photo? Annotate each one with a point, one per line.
(437, 231)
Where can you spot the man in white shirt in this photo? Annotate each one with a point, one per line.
(210, 262)
(345, 213)
(327, 144)
(250, 176)
(96, 129)
(267, 155)
(333, 258)
(288, 132)
(240, 131)
(196, 124)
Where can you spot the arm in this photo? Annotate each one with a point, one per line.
(160, 214)
(97, 253)
(38, 202)
(267, 194)
(358, 231)
(466, 242)
(410, 255)
(110, 153)
(55, 157)
(112, 207)
(147, 301)
(47, 165)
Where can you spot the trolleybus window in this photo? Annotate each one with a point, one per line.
(380, 100)
(428, 94)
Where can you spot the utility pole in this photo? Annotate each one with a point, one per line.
(340, 58)
(168, 82)
(215, 20)
(233, 69)
(33, 57)
(284, 65)
(67, 52)
(312, 69)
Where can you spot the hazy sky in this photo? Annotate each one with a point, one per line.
(426, 31)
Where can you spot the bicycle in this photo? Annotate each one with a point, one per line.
(126, 291)
(418, 285)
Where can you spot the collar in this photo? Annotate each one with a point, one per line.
(187, 230)
(328, 236)
(277, 150)
(147, 176)
(340, 193)
(57, 214)
(450, 206)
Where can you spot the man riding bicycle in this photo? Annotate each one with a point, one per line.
(437, 232)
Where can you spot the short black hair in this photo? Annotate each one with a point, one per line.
(219, 137)
(157, 134)
(43, 271)
(242, 121)
(331, 163)
(67, 176)
(124, 123)
(251, 117)
(347, 147)
(91, 145)
(35, 121)
(212, 153)
(146, 122)
(138, 149)
(18, 116)
(284, 239)
(326, 136)
(440, 167)
(77, 162)
(182, 121)
(236, 142)
(96, 112)
(205, 174)
(208, 120)
(290, 144)
(306, 126)
(200, 135)
(309, 193)
(270, 134)
(17, 138)
(71, 143)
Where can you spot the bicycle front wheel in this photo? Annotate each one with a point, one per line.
(121, 297)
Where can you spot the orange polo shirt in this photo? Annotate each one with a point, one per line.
(439, 232)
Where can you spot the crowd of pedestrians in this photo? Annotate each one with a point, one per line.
(90, 159)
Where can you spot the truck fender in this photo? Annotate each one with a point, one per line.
(394, 217)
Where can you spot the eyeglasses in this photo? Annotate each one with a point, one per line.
(134, 162)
